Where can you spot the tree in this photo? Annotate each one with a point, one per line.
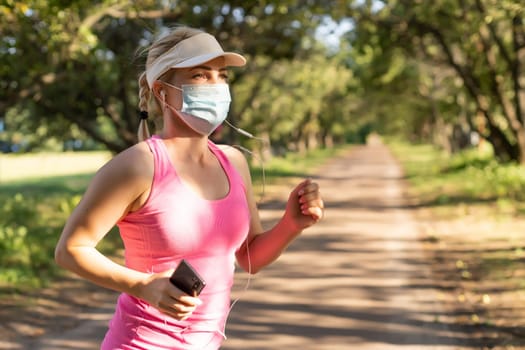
(71, 63)
(483, 42)
(296, 104)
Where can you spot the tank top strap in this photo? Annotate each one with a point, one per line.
(162, 164)
(228, 167)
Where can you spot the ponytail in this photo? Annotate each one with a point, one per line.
(144, 96)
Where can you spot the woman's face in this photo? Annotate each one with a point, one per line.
(211, 72)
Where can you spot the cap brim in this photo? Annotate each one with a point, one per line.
(231, 59)
(191, 52)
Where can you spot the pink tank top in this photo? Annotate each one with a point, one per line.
(177, 223)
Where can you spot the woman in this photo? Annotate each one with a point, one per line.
(174, 196)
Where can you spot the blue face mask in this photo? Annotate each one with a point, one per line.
(204, 106)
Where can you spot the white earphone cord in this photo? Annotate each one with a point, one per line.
(259, 158)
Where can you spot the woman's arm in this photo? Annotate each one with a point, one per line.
(303, 209)
(118, 187)
(109, 196)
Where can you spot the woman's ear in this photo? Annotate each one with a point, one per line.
(158, 91)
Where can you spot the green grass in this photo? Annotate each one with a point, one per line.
(36, 201)
(471, 177)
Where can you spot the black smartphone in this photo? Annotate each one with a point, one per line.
(187, 279)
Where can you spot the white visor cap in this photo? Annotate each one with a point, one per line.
(191, 52)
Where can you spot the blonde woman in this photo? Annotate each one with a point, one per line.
(176, 195)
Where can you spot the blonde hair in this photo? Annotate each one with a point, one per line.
(156, 49)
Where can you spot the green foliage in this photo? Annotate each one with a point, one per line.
(31, 219)
(76, 63)
(459, 59)
(424, 71)
(471, 176)
(486, 176)
(312, 100)
(25, 242)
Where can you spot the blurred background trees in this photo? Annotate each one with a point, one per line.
(457, 64)
(319, 72)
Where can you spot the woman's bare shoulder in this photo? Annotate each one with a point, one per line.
(234, 154)
(135, 162)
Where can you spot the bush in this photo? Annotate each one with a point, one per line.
(29, 228)
(24, 242)
(487, 176)
(472, 176)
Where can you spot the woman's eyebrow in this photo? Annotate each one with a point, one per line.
(207, 68)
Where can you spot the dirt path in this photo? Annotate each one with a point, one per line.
(360, 279)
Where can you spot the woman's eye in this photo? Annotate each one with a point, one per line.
(224, 77)
(199, 76)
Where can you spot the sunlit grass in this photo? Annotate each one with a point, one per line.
(471, 177)
(35, 166)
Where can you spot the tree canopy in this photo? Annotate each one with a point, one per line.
(464, 59)
(76, 64)
(440, 71)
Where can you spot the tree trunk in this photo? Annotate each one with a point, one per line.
(521, 146)
(503, 149)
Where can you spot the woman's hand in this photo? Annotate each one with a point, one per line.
(303, 209)
(305, 206)
(160, 293)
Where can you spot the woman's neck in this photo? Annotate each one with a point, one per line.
(188, 148)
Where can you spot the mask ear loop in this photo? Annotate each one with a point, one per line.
(162, 94)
